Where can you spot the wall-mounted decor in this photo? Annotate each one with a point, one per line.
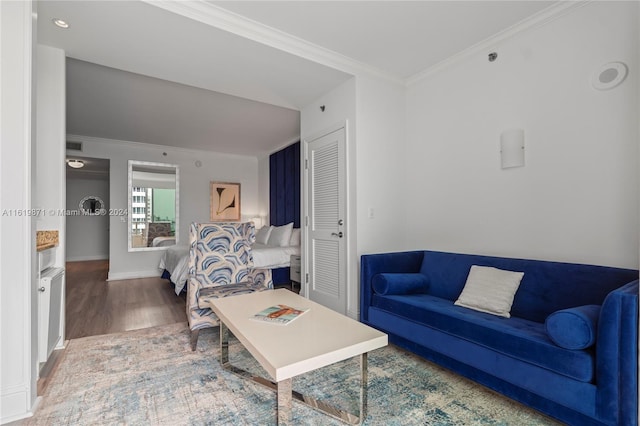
(154, 205)
(225, 201)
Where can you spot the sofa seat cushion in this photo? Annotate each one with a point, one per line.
(515, 337)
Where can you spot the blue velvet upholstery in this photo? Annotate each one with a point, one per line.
(399, 283)
(574, 328)
(284, 186)
(516, 337)
(284, 195)
(516, 356)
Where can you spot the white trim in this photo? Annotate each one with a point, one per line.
(539, 19)
(30, 111)
(144, 145)
(19, 399)
(329, 129)
(134, 275)
(234, 23)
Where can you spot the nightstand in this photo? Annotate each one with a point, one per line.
(295, 270)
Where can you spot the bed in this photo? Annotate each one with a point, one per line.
(175, 262)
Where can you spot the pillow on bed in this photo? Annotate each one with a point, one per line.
(262, 236)
(280, 235)
(295, 237)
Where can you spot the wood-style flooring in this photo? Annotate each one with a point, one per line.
(95, 306)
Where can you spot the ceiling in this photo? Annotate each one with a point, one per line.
(401, 38)
(108, 103)
(231, 76)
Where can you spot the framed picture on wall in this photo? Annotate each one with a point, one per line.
(225, 201)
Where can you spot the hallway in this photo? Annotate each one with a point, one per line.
(96, 306)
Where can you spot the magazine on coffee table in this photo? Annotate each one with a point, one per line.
(279, 314)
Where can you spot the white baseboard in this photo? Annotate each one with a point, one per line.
(15, 405)
(84, 258)
(134, 275)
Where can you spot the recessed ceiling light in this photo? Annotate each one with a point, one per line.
(60, 23)
(609, 76)
(76, 164)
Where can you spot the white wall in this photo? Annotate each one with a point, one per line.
(340, 108)
(50, 144)
(381, 173)
(263, 189)
(194, 193)
(87, 236)
(18, 301)
(380, 164)
(577, 197)
(375, 116)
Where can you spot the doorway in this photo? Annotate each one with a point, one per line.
(87, 208)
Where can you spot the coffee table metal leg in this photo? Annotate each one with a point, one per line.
(224, 344)
(364, 387)
(285, 393)
(284, 401)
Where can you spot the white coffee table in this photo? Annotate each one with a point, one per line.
(320, 337)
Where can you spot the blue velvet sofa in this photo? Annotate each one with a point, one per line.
(569, 349)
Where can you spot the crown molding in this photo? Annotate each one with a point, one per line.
(537, 20)
(239, 25)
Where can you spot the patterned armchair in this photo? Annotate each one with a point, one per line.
(220, 265)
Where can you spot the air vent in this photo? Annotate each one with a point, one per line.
(74, 146)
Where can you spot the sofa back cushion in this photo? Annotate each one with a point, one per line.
(546, 287)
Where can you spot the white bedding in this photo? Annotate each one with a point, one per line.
(176, 260)
(268, 257)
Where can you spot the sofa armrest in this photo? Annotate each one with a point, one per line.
(372, 264)
(616, 357)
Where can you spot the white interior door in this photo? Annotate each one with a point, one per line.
(326, 227)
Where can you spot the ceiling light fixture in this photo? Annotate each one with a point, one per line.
(60, 23)
(76, 164)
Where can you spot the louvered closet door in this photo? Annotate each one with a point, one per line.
(327, 229)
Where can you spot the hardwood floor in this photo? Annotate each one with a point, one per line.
(96, 306)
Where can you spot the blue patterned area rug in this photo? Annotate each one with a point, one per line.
(151, 377)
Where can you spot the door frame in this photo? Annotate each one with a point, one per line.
(304, 210)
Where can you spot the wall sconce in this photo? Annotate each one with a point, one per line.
(257, 221)
(512, 148)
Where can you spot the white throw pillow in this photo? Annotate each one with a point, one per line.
(280, 235)
(262, 236)
(490, 290)
(295, 237)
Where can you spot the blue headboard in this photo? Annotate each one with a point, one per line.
(284, 186)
